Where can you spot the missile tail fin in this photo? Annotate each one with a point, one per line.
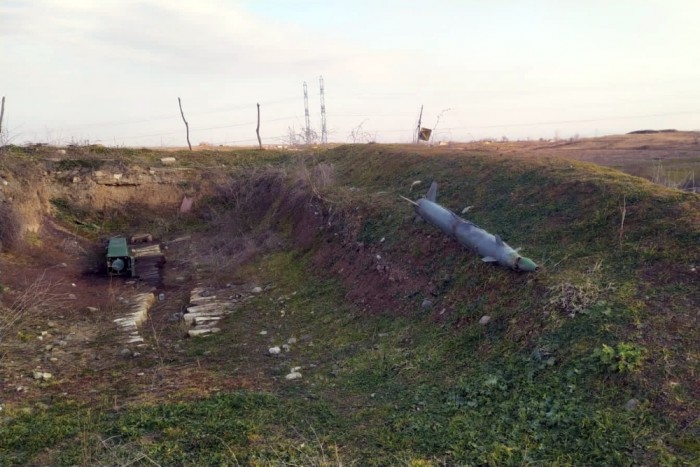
(432, 192)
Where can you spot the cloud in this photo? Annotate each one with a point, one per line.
(209, 36)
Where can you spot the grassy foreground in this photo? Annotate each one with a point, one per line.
(591, 361)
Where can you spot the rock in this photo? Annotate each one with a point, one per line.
(257, 290)
(117, 176)
(295, 369)
(62, 343)
(263, 333)
(631, 404)
(293, 375)
(92, 309)
(141, 238)
(485, 320)
(426, 304)
(292, 340)
(72, 296)
(167, 160)
(175, 317)
(51, 324)
(48, 347)
(41, 375)
(161, 297)
(202, 332)
(125, 352)
(274, 350)
(286, 347)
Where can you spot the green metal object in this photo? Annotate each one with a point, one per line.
(120, 261)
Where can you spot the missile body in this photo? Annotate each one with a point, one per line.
(490, 247)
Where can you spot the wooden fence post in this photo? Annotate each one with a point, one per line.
(257, 129)
(187, 126)
(2, 113)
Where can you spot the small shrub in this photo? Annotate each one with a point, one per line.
(571, 299)
(624, 358)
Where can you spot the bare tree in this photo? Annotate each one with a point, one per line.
(305, 137)
(442, 112)
(359, 135)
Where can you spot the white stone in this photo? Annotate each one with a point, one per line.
(117, 176)
(167, 160)
(202, 332)
(274, 350)
(295, 369)
(257, 290)
(263, 333)
(485, 320)
(292, 340)
(293, 375)
(42, 375)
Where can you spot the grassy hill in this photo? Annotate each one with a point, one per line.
(412, 350)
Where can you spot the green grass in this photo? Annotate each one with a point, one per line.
(608, 319)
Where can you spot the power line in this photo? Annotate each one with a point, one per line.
(171, 116)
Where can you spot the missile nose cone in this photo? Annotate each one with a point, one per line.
(526, 264)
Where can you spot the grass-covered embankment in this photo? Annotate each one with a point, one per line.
(590, 361)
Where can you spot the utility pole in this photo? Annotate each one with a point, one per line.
(306, 115)
(324, 135)
(416, 138)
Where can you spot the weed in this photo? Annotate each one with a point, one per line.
(623, 358)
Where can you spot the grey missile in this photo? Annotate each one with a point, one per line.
(490, 247)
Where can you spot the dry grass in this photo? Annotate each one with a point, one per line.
(36, 298)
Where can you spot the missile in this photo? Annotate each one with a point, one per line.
(491, 248)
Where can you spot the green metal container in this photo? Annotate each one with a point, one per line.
(120, 261)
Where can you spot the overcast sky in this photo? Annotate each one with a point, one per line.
(110, 72)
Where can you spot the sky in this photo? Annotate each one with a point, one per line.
(110, 72)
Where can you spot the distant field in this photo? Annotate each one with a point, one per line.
(666, 158)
